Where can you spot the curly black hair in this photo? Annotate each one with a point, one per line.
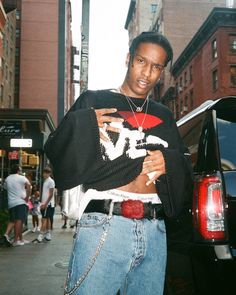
(154, 38)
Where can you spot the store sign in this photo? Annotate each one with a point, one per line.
(10, 129)
(21, 142)
(13, 155)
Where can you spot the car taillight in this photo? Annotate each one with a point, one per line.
(209, 209)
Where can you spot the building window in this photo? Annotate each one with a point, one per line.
(176, 89)
(232, 43)
(16, 89)
(9, 101)
(17, 14)
(16, 70)
(153, 8)
(190, 74)
(180, 84)
(185, 104)
(215, 80)
(17, 51)
(10, 78)
(6, 48)
(1, 93)
(191, 99)
(12, 32)
(11, 56)
(3, 67)
(214, 49)
(17, 33)
(181, 107)
(7, 27)
(233, 75)
(185, 79)
(177, 111)
(6, 72)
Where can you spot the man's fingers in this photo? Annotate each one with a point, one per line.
(113, 129)
(110, 119)
(157, 167)
(102, 112)
(154, 178)
(103, 137)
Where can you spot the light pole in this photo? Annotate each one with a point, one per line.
(84, 46)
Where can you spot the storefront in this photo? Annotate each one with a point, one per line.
(23, 134)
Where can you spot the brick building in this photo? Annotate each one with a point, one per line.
(44, 36)
(206, 69)
(2, 24)
(8, 60)
(178, 20)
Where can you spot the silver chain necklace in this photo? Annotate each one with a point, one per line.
(137, 108)
(140, 126)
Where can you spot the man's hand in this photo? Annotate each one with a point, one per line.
(103, 119)
(154, 164)
(43, 206)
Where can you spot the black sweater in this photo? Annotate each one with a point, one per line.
(79, 157)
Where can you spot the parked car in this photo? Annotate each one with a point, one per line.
(202, 241)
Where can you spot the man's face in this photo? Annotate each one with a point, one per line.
(145, 69)
(46, 175)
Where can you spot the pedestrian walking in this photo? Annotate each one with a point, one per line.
(35, 210)
(47, 206)
(125, 151)
(18, 191)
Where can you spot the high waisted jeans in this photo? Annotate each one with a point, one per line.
(112, 253)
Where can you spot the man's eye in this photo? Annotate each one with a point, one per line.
(158, 67)
(140, 60)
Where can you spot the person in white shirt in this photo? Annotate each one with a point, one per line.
(47, 205)
(18, 191)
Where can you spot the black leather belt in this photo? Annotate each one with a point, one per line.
(129, 209)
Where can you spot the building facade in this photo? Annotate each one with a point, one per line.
(2, 66)
(206, 69)
(8, 61)
(178, 20)
(45, 34)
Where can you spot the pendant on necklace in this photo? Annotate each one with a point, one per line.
(139, 109)
(140, 129)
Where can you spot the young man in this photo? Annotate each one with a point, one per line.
(47, 205)
(126, 152)
(18, 191)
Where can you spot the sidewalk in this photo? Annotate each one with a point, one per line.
(37, 269)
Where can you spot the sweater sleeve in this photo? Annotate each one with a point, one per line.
(175, 187)
(74, 146)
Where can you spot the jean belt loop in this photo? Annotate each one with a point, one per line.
(111, 209)
(154, 213)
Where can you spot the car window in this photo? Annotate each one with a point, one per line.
(227, 142)
(190, 133)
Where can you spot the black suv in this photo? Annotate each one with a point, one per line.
(202, 242)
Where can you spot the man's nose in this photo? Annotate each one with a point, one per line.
(147, 70)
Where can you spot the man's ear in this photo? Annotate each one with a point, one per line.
(127, 59)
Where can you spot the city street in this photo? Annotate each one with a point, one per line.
(37, 268)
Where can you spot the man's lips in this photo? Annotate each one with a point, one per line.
(143, 83)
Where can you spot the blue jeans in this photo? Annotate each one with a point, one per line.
(112, 253)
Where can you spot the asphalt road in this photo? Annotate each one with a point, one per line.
(37, 269)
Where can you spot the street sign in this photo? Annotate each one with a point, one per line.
(21, 142)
